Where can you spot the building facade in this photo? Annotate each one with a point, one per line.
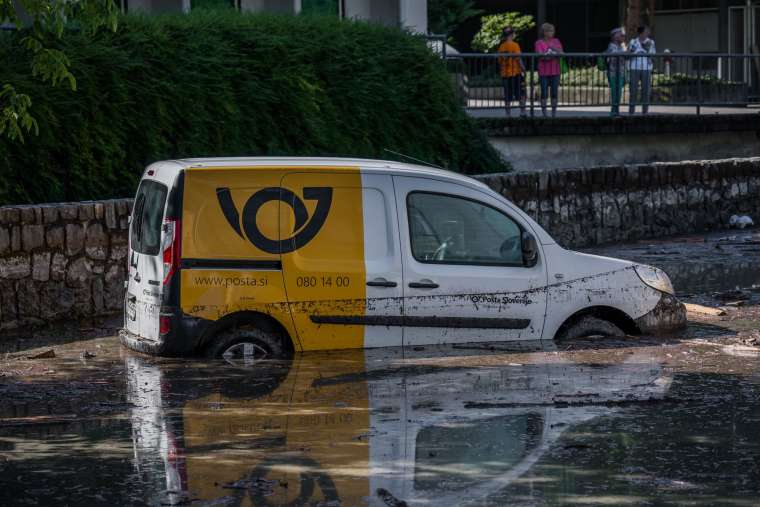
(699, 26)
(409, 14)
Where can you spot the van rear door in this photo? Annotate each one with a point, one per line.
(146, 269)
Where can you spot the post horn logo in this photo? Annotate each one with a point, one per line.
(304, 231)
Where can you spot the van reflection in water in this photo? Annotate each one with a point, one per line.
(362, 427)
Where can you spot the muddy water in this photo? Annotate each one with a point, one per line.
(635, 422)
(701, 265)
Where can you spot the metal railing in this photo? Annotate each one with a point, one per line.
(587, 80)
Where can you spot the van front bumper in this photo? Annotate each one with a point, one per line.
(668, 315)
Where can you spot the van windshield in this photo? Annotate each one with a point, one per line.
(147, 217)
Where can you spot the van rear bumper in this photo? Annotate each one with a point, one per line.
(144, 345)
(183, 338)
(668, 315)
(167, 346)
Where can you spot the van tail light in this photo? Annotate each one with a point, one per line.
(164, 324)
(171, 246)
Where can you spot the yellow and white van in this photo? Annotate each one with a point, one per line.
(260, 257)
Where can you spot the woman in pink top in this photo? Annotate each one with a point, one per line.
(548, 66)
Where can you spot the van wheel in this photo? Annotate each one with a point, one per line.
(590, 326)
(246, 345)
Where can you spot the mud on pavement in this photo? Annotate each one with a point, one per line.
(641, 420)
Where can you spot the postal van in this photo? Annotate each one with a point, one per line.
(249, 258)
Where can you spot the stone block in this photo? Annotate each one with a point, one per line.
(96, 242)
(5, 240)
(86, 211)
(41, 266)
(79, 272)
(9, 312)
(55, 237)
(32, 237)
(124, 206)
(28, 300)
(74, 239)
(16, 238)
(69, 211)
(98, 296)
(49, 213)
(10, 215)
(58, 265)
(82, 299)
(28, 214)
(112, 219)
(124, 223)
(100, 210)
(119, 252)
(56, 301)
(15, 267)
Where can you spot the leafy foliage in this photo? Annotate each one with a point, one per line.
(444, 16)
(46, 21)
(488, 37)
(213, 83)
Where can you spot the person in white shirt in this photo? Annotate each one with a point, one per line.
(641, 70)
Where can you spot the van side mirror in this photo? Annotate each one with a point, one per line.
(529, 249)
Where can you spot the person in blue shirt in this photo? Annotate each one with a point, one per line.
(641, 70)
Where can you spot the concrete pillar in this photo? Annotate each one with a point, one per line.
(158, 6)
(280, 6)
(414, 15)
(723, 26)
(357, 9)
(540, 13)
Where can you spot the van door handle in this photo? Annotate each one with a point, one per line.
(381, 282)
(424, 284)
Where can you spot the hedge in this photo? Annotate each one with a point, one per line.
(230, 84)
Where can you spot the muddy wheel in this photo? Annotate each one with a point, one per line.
(589, 326)
(246, 345)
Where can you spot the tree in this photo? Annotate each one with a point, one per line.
(40, 23)
(489, 36)
(444, 16)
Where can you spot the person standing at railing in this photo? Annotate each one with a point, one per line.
(641, 69)
(512, 71)
(616, 69)
(549, 68)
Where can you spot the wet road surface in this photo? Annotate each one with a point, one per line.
(638, 421)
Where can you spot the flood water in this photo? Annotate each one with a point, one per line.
(445, 426)
(637, 421)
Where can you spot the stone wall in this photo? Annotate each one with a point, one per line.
(62, 261)
(583, 207)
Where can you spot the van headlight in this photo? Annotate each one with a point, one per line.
(655, 278)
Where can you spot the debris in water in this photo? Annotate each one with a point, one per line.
(706, 310)
(86, 354)
(48, 354)
(388, 498)
(740, 221)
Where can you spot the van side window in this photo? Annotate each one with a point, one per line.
(446, 229)
(147, 217)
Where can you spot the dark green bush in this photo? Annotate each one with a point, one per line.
(215, 83)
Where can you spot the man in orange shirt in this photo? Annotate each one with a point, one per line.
(512, 70)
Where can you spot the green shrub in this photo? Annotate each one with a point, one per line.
(226, 84)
